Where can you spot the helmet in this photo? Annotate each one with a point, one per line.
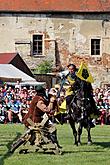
(74, 66)
(39, 88)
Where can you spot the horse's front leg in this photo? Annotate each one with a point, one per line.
(89, 136)
(80, 127)
(72, 124)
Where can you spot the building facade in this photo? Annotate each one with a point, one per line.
(64, 34)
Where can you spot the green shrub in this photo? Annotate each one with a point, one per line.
(44, 67)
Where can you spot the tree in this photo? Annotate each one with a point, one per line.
(44, 67)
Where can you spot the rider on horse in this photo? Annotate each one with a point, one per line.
(75, 83)
(71, 78)
(80, 105)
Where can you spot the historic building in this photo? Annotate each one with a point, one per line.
(63, 31)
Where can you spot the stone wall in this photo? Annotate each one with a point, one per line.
(66, 39)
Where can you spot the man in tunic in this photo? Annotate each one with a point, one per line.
(39, 112)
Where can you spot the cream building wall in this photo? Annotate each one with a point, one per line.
(66, 39)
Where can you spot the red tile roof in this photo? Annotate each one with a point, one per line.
(55, 5)
(6, 58)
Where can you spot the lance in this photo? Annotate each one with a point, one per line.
(61, 86)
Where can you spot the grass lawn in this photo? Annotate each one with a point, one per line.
(96, 154)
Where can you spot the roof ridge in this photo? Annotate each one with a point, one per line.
(55, 6)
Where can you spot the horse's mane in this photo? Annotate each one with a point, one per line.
(84, 86)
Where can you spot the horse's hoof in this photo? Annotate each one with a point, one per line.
(89, 143)
(79, 143)
(76, 144)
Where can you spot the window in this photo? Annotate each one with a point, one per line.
(37, 44)
(95, 46)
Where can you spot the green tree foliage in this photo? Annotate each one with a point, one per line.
(44, 67)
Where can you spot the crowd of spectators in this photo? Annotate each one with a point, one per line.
(102, 99)
(15, 102)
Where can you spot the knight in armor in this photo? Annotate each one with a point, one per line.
(75, 83)
(71, 78)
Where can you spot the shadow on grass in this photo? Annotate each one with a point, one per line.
(8, 154)
(71, 152)
(102, 144)
(2, 145)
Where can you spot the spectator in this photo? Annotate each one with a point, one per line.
(18, 86)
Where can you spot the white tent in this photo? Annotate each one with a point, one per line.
(8, 71)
